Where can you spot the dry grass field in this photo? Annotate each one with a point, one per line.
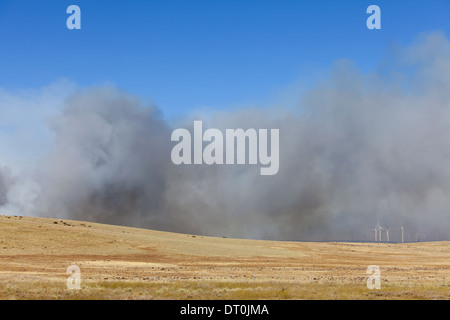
(130, 263)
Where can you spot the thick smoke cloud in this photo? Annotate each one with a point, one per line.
(109, 161)
(358, 150)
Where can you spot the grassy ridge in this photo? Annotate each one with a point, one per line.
(129, 263)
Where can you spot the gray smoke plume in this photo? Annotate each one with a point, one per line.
(358, 150)
(109, 160)
(6, 180)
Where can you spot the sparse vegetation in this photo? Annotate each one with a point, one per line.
(212, 290)
(129, 263)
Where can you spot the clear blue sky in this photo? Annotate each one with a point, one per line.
(187, 54)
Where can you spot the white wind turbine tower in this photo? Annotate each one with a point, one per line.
(387, 234)
(376, 231)
(403, 232)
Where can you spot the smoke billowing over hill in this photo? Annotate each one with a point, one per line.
(359, 149)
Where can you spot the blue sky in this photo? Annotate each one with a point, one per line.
(191, 54)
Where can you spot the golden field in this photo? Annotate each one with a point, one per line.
(130, 263)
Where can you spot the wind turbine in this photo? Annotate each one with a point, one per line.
(402, 232)
(379, 228)
(376, 231)
(387, 234)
